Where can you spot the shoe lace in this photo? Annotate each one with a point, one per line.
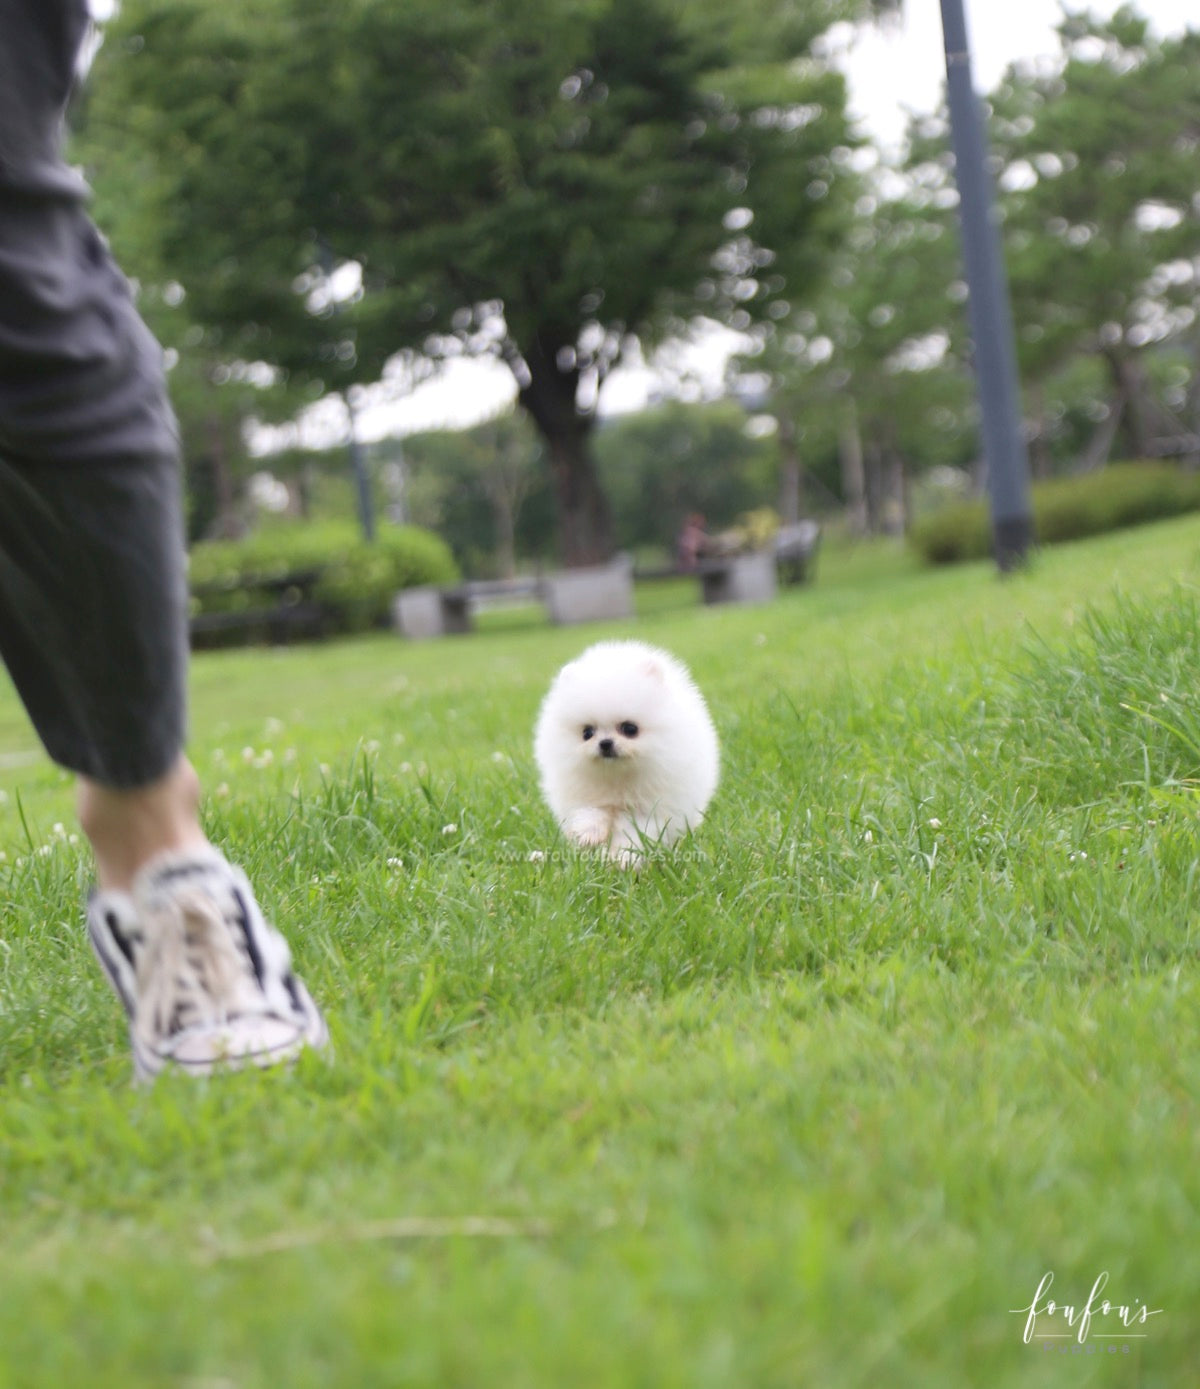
(191, 971)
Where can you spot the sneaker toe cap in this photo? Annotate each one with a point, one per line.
(247, 1041)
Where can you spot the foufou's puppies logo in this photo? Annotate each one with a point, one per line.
(1048, 1320)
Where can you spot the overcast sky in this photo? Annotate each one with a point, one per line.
(901, 67)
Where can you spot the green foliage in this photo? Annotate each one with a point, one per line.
(485, 490)
(875, 353)
(1101, 221)
(1124, 494)
(357, 580)
(536, 182)
(656, 466)
(661, 464)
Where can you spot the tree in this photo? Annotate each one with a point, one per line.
(1103, 228)
(536, 181)
(661, 464)
(871, 369)
(473, 486)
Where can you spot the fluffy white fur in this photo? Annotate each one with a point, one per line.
(626, 749)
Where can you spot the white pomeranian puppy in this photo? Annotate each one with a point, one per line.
(626, 749)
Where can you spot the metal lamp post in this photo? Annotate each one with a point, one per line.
(988, 302)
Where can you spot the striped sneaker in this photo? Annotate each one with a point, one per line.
(207, 984)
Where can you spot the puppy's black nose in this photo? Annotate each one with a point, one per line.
(607, 748)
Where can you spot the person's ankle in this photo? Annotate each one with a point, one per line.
(129, 828)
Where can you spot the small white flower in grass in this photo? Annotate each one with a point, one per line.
(395, 863)
(274, 727)
(59, 830)
(451, 828)
(868, 837)
(406, 766)
(397, 739)
(3, 797)
(372, 745)
(934, 823)
(263, 762)
(45, 851)
(289, 756)
(218, 755)
(537, 856)
(3, 856)
(222, 790)
(325, 769)
(499, 756)
(247, 754)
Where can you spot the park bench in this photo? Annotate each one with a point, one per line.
(593, 594)
(796, 551)
(738, 578)
(283, 609)
(753, 576)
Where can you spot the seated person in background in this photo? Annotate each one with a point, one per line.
(690, 543)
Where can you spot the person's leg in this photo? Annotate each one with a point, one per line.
(129, 828)
(93, 632)
(93, 601)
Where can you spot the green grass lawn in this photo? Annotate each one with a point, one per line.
(816, 1100)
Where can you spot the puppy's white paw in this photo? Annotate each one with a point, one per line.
(588, 826)
(628, 842)
(626, 856)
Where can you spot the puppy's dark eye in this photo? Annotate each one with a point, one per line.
(588, 732)
(627, 729)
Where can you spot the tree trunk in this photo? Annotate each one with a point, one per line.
(854, 484)
(225, 525)
(1131, 392)
(299, 489)
(1191, 412)
(584, 522)
(791, 472)
(506, 532)
(874, 488)
(1039, 443)
(1100, 445)
(895, 509)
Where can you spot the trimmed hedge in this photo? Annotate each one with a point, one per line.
(355, 581)
(1067, 508)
